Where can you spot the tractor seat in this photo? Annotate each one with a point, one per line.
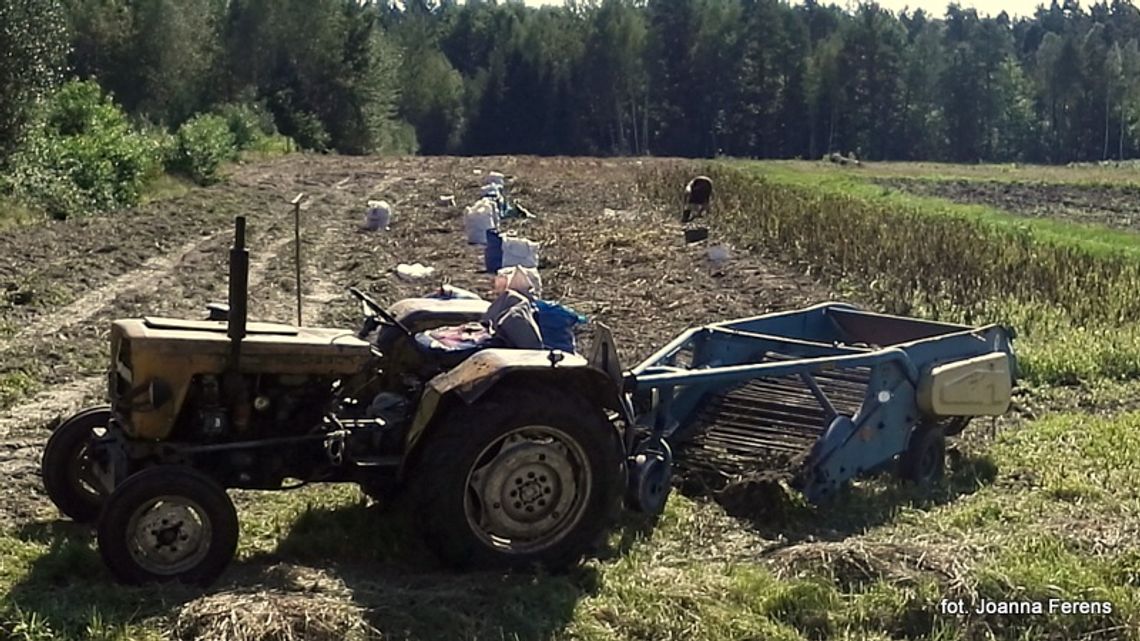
(424, 313)
(509, 322)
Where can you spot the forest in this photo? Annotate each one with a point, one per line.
(107, 91)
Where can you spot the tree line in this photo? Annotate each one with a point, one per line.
(748, 78)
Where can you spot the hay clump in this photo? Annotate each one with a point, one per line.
(300, 609)
(855, 563)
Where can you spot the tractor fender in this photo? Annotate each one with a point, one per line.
(491, 368)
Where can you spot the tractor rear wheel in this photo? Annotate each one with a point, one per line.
(517, 480)
(65, 466)
(168, 523)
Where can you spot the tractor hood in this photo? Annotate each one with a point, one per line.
(267, 347)
(157, 358)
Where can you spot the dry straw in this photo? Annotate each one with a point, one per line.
(294, 605)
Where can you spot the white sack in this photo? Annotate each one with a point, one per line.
(413, 272)
(520, 252)
(520, 279)
(378, 216)
(479, 218)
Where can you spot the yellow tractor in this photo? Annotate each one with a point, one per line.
(509, 457)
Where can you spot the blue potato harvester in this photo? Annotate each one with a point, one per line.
(827, 393)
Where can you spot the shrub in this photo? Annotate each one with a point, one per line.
(203, 143)
(249, 123)
(84, 157)
(164, 143)
(309, 132)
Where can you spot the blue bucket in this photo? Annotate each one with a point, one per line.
(493, 252)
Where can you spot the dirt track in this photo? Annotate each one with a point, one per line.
(67, 280)
(1112, 206)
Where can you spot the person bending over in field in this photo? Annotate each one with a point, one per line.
(698, 193)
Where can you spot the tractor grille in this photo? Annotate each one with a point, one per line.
(767, 424)
(121, 374)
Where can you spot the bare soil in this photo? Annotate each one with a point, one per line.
(1116, 206)
(629, 268)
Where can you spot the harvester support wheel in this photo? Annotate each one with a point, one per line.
(650, 475)
(66, 467)
(924, 460)
(520, 478)
(168, 523)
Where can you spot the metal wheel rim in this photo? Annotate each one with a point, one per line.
(82, 477)
(527, 489)
(168, 535)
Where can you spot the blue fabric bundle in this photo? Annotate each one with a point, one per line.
(556, 322)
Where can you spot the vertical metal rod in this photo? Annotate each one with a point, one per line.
(819, 395)
(239, 292)
(297, 249)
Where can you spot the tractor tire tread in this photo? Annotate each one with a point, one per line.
(57, 460)
(460, 435)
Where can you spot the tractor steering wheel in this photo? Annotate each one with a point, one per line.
(374, 309)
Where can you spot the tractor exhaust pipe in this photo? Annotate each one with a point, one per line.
(239, 292)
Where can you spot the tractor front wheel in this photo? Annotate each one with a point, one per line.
(168, 523)
(66, 465)
(517, 480)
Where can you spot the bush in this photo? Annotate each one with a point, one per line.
(250, 124)
(84, 157)
(309, 132)
(203, 143)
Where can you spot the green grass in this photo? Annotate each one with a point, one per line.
(1023, 519)
(14, 386)
(13, 212)
(1096, 239)
(1111, 175)
(268, 147)
(165, 187)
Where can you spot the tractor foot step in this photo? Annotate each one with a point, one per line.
(379, 461)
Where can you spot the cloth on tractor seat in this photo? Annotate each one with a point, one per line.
(508, 322)
(454, 339)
